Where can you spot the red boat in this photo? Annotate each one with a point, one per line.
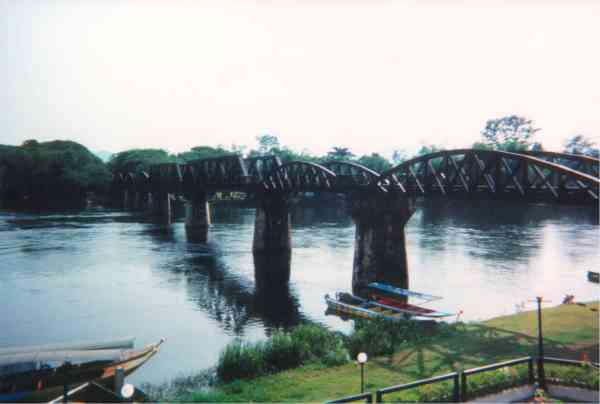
(401, 305)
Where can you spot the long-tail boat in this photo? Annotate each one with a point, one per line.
(355, 306)
(41, 375)
(397, 297)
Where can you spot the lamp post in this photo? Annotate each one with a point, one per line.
(362, 359)
(541, 374)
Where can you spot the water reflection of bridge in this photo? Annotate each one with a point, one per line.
(381, 204)
(227, 298)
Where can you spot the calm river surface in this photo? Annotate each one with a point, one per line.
(100, 273)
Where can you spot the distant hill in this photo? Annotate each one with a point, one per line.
(103, 155)
(50, 173)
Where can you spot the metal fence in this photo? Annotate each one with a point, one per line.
(367, 397)
(460, 387)
(394, 389)
(464, 390)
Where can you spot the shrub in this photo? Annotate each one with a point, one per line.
(497, 380)
(315, 342)
(337, 356)
(306, 343)
(241, 361)
(380, 337)
(282, 352)
(579, 376)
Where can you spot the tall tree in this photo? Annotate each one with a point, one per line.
(202, 152)
(509, 133)
(580, 144)
(428, 149)
(375, 162)
(340, 153)
(399, 156)
(266, 144)
(136, 160)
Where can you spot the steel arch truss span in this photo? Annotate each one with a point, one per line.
(300, 176)
(584, 164)
(215, 174)
(351, 175)
(493, 174)
(259, 168)
(165, 178)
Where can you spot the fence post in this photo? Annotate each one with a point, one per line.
(370, 398)
(378, 396)
(463, 386)
(530, 368)
(456, 395)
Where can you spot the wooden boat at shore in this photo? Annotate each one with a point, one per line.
(42, 375)
(397, 297)
(355, 306)
(399, 293)
(117, 343)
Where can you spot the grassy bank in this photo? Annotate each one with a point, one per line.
(569, 331)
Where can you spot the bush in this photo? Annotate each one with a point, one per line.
(578, 376)
(381, 337)
(497, 380)
(282, 352)
(315, 341)
(306, 343)
(241, 361)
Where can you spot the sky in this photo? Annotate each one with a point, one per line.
(372, 75)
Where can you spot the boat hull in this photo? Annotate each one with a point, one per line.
(46, 384)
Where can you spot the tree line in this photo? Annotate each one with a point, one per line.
(41, 172)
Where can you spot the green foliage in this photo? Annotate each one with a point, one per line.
(47, 171)
(282, 352)
(399, 157)
(580, 144)
(510, 133)
(578, 376)
(241, 360)
(305, 344)
(266, 144)
(137, 160)
(203, 152)
(428, 149)
(375, 162)
(381, 337)
(497, 380)
(341, 154)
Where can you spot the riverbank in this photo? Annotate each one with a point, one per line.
(570, 331)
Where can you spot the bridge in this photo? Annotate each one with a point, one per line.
(380, 203)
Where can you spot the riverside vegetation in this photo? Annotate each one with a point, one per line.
(311, 363)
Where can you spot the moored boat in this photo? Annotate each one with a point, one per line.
(39, 376)
(399, 293)
(117, 343)
(359, 307)
(338, 306)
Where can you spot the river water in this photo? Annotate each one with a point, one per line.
(99, 273)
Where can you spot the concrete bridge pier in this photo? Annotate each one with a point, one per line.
(126, 199)
(272, 229)
(161, 206)
(139, 201)
(272, 272)
(380, 246)
(197, 218)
